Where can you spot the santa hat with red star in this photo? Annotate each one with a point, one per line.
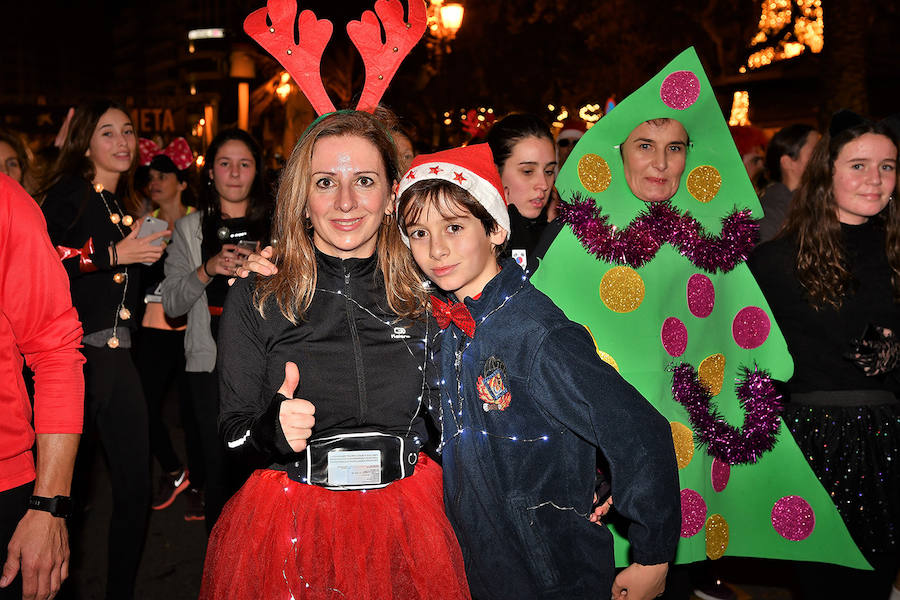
(471, 168)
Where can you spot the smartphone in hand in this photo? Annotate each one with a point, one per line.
(244, 249)
(150, 226)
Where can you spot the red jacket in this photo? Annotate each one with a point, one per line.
(37, 320)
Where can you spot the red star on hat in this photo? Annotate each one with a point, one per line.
(435, 170)
(411, 175)
(458, 177)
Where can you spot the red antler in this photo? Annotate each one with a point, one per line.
(382, 60)
(303, 60)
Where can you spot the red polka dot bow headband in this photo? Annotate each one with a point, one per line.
(178, 150)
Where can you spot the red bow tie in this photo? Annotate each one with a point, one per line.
(453, 312)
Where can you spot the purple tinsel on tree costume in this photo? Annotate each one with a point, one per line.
(661, 223)
(762, 414)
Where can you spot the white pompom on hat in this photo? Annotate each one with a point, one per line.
(471, 168)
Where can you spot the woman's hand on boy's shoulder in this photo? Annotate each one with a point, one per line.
(257, 263)
(600, 510)
(640, 582)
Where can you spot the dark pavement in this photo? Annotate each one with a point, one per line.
(172, 563)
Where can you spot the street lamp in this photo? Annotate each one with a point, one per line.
(444, 20)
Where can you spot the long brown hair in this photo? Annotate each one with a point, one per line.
(821, 265)
(73, 162)
(295, 283)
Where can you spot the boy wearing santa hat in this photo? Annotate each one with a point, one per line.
(526, 402)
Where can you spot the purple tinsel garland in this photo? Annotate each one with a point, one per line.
(661, 223)
(762, 413)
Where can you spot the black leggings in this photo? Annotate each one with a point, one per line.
(222, 477)
(160, 361)
(116, 410)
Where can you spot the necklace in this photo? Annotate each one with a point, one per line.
(120, 277)
(116, 217)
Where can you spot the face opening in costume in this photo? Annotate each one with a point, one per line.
(654, 157)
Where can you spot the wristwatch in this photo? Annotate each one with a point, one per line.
(58, 506)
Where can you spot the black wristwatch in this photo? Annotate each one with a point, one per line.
(58, 506)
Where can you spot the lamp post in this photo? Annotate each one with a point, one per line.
(444, 20)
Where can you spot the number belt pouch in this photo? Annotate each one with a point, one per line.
(355, 461)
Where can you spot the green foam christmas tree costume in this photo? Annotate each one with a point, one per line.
(673, 296)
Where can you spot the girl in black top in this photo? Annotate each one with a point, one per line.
(832, 279)
(525, 155)
(88, 207)
(332, 346)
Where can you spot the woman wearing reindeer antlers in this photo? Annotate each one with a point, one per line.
(325, 374)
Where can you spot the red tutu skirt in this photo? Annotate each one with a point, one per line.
(279, 539)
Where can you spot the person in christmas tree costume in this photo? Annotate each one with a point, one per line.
(664, 289)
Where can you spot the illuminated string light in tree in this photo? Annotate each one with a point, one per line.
(787, 28)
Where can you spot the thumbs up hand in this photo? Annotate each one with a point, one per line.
(295, 415)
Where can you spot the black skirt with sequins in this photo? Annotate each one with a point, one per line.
(852, 442)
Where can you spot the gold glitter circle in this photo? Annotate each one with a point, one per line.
(622, 289)
(119, 277)
(704, 182)
(716, 536)
(683, 438)
(127, 220)
(712, 373)
(606, 357)
(594, 173)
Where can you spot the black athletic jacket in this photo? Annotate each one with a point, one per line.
(362, 368)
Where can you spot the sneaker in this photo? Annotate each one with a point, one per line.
(715, 591)
(195, 510)
(169, 486)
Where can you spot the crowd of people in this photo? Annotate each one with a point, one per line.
(377, 402)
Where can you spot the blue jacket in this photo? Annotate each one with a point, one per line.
(519, 477)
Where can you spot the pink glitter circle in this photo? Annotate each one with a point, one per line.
(719, 474)
(792, 517)
(680, 90)
(693, 513)
(674, 336)
(701, 295)
(750, 327)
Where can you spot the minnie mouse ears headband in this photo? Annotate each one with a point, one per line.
(273, 28)
(179, 151)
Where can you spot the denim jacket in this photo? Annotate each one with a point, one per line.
(525, 406)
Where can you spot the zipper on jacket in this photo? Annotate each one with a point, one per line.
(357, 348)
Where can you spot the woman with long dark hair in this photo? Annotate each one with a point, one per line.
(233, 208)
(89, 209)
(832, 279)
(525, 155)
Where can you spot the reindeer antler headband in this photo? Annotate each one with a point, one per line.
(303, 60)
